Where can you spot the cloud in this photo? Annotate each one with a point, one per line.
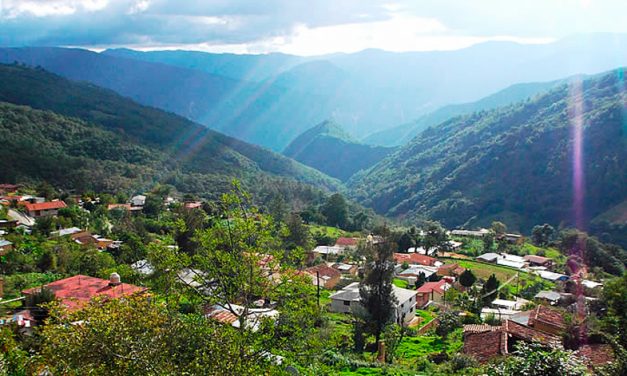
(299, 26)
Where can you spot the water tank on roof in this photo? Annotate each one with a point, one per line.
(114, 279)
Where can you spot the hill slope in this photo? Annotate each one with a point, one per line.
(402, 134)
(328, 148)
(513, 164)
(188, 147)
(366, 92)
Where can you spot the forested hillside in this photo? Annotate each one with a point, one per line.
(328, 148)
(404, 133)
(198, 159)
(513, 164)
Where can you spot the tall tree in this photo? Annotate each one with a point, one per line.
(335, 210)
(543, 234)
(376, 291)
(489, 291)
(467, 278)
(435, 236)
(405, 242)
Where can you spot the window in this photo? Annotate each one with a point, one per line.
(347, 302)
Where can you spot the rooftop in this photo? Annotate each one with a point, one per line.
(414, 258)
(50, 205)
(77, 291)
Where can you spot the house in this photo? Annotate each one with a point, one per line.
(550, 297)
(346, 268)
(8, 223)
(324, 275)
(350, 243)
(414, 259)
(328, 250)
(414, 270)
(498, 313)
(348, 299)
(119, 206)
(233, 314)
(512, 261)
(553, 277)
(590, 284)
(139, 200)
(193, 205)
(66, 231)
(44, 209)
(450, 270)
(469, 233)
(517, 304)
(8, 188)
(542, 325)
(5, 247)
(75, 292)
(513, 238)
(431, 292)
(489, 257)
(143, 267)
(534, 260)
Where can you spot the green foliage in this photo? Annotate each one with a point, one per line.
(511, 164)
(467, 278)
(542, 234)
(534, 360)
(489, 291)
(335, 210)
(322, 146)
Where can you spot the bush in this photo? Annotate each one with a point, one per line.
(459, 362)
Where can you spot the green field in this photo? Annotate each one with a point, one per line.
(400, 283)
(484, 271)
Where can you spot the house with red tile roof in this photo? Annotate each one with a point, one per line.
(44, 209)
(324, 275)
(542, 325)
(75, 292)
(534, 260)
(346, 242)
(431, 291)
(450, 270)
(414, 258)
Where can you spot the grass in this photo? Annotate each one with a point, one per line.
(427, 316)
(484, 271)
(388, 371)
(400, 283)
(332, 232)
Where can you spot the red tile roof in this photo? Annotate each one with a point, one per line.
(486, 345)
(450, 270)
(221, 315)
(597, 354)
(530, 334)
(414, 258)
(433, 286)
(119, 206)
(45, 205)
(324, 270)
(77, 291)
(346, 242)
(548, 316)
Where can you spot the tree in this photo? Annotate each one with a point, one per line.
(448, 322)
(535, 360)
(36, 303)
(420, 280)
(499, 228)
(615, 298)
(298, 233)
(435, 236)
(376, 291)
(488, 241)
(335, 210)
(405, 242)
(134, 336)
(542, 235)
(467, 278)
(489, 291)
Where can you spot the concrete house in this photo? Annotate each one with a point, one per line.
(348, 299)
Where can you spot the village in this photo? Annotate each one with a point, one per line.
(472, 293)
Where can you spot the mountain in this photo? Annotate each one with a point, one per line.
(514, 164)
(366, 92)
(328, 148)
(194, 157)
(404, 133)
(255, 68)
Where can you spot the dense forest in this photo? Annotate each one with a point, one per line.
(324, 145)
(159, 145)
(513, 164)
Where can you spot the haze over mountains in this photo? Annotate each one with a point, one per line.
(270, 99)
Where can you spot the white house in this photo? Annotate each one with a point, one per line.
(139, 200)
(348, 299)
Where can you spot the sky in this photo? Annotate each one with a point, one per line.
(301, 27)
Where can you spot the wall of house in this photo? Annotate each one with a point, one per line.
(406, 309)
(338, 305)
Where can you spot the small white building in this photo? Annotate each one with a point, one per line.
(139, 200)
(348, 299)
(513, 305)
(498, 313)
